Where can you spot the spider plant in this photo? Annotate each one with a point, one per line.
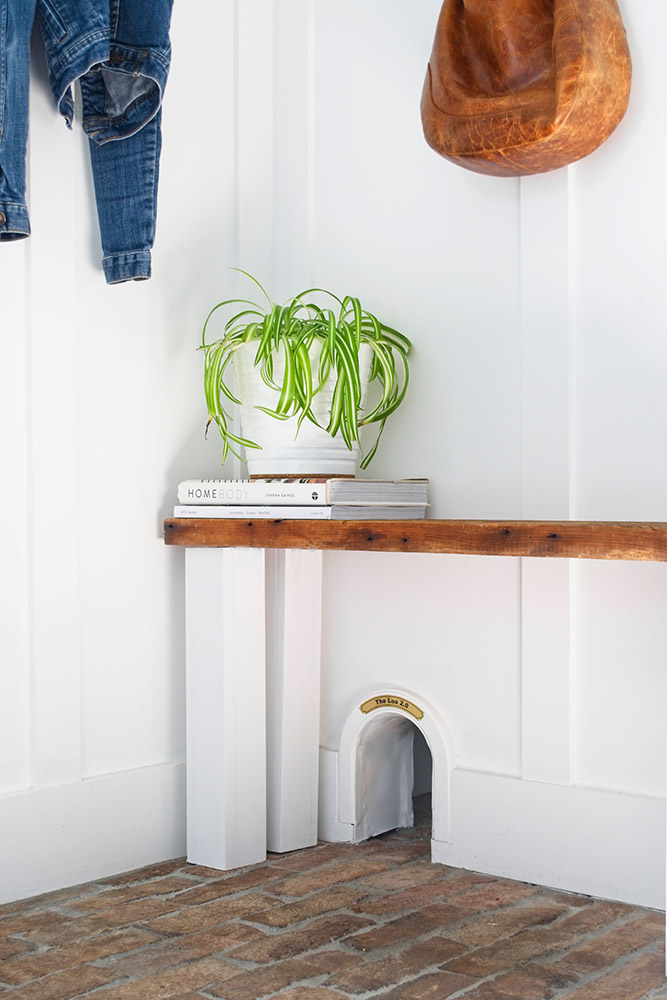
(336, 328)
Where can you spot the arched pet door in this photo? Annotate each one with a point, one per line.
(524, 86)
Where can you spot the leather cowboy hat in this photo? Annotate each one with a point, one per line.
(524, 86)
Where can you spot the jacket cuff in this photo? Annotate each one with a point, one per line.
(121, 267)
(14, 221)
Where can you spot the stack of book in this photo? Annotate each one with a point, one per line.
(308, 498)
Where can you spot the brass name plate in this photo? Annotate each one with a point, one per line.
(391, 701)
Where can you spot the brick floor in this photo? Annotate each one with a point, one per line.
(328, 923)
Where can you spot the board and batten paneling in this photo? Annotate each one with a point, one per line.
(293, 149)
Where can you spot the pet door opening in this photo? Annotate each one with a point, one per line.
(395, 744)
(423, 780)
(394, 777)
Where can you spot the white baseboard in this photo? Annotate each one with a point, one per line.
(605, 844)
(585, 840)
(329, 827)
(56, 837)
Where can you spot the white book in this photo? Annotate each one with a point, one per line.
(321, 512)
(308, 491)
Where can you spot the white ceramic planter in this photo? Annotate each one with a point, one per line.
(287, 449)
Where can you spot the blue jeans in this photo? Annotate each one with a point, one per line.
(119, 50)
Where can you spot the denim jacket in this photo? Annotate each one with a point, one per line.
(120, 51)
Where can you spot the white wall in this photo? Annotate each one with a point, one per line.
(293, 148)
(537, 312)
(101, 414)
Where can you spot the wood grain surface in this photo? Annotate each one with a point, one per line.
(636, 540)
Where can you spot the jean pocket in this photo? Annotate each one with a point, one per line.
(52, 20)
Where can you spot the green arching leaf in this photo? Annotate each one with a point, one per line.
(222, 383)
(265, 363)
(274, 413)
(249, 333)
(253, 279)
(229, 438)
(396, 339)
(331, 333)
(319, 291)
(266, 374)
(349, 426)
(393, 400)
(287, 391)
(326, 366)
(336, 409)
(345, 431)
(236, 319)
(347, 356)
(348, 380)
(350, 302)
(220, 305)
(368, 458)
(303, 383)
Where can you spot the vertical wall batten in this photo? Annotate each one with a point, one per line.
(293, 180)
(311, 136)
(256, 140)
(236, 222)
(546, 462)
(55, 455)
(15, 645)
(572, 372)
(545, 349)
(545, 673)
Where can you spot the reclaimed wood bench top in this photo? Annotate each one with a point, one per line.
(632, 540)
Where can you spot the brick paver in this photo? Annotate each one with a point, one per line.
(62, 985)
(66, 931)
(376, 973)
(315, 857)
(604, 949)
(289, 943)
(348, 870)
(198, 918)
(332, 922)
(171, 953)
(270, 979)
(32, 921)
(630, 982)
(404, 928)
(526, 983)
(437, 986)
(485, 928)
(114, 897)
(193, 977)
(227, 886)
(413, 898)
(543, 941)
(149, 873)
(11, 947)
(36, 965)
(311, 993)
(326, 901)
(405, 877)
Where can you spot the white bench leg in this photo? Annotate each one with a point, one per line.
(226, 707)
(294, 624)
